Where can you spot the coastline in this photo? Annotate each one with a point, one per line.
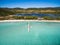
(30, 20)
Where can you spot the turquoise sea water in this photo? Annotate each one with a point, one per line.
(41, 33)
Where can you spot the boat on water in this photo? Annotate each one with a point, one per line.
(28, 27)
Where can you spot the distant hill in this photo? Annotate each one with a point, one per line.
(11, 11)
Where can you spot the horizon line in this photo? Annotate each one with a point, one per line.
(30, 7)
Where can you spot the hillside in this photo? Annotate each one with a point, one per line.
(7, 11)
(30, 13)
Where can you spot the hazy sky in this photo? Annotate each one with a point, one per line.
(29, 3)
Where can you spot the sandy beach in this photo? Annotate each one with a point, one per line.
(30, 20)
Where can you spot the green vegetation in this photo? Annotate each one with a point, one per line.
(49, 18)
(24, 17)
(58, 18)
(6, 12)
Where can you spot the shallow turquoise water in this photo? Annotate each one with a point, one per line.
(41, 33)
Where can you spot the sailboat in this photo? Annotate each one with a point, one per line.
(28, 27)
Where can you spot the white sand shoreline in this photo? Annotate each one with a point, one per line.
(30, 20)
